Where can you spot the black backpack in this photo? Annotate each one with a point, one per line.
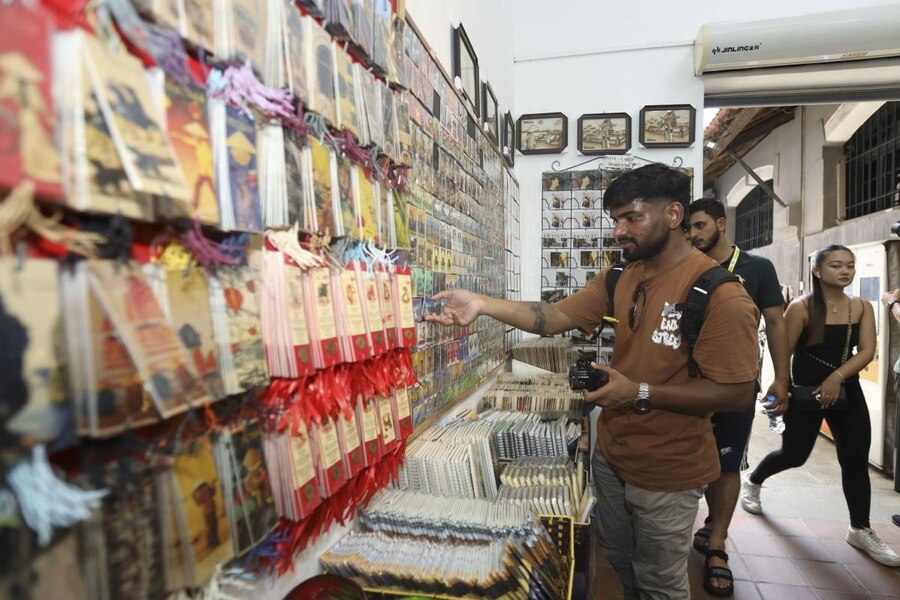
(693, 309)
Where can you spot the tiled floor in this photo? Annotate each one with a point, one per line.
(794, 552)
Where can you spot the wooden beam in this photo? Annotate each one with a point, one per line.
(765, 186)
(732, 130)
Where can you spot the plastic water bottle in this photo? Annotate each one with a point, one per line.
(776, 423)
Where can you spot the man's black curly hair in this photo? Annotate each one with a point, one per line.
(652, 183)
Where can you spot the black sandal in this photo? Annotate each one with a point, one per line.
(703, 532)
(718, 573)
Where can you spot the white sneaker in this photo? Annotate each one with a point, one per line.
(868, 541)
(750, 496)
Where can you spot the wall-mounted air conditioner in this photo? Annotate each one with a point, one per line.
(846, 35)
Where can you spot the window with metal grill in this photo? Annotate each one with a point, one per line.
(753, 220)
(872, 163)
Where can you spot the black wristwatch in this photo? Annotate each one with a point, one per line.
(890, 305)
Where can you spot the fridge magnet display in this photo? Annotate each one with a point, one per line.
(507, 145)
(667, 126)
(465, 67)
(543, 133)
(489, 113)
(604, 133)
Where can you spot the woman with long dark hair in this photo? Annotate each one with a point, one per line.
(822, 329)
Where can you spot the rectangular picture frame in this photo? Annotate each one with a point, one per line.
(542, 133)
(667, 126)
(465, 67)
(490, 113)
(604, 133)
(508, 144)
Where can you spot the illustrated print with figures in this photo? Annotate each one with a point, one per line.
(668, 333)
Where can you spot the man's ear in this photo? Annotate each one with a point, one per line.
(722, 223)
(675, 214)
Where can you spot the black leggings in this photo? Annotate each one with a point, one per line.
(852, 434)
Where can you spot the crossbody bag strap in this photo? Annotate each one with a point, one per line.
(849, 330)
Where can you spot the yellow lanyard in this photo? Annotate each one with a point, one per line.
(734, 259)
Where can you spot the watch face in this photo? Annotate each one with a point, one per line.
(642, 405)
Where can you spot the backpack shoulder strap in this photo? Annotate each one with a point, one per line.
(694, 308)
(612, 280)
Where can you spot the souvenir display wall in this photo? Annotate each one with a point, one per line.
(222, 225)
(554, 354)
(576, 235)
(513, 249)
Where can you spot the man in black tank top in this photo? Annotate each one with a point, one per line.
(732, 430)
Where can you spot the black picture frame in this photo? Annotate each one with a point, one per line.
(465, 67)
(490, 113)
(667, 126)
(508, 143)
(604, 133)
(542, 133)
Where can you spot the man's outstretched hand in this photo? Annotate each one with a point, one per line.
(461, 308)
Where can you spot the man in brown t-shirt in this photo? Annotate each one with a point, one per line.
(655, 449)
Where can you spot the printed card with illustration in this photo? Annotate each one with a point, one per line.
(35, 394)
(298, 173)
(122, 92)
(324, 187)
(320, 67)
(254, 504)
(248, 19)
(295, 49)
(27, 146)
(347, 198)
(161, 361)
(240, 136)
(347, 113)
(188, 129)
(198, 497)
(199, 23)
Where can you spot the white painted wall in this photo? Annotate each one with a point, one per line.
(489, 26)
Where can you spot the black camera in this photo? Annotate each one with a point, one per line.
(895, 228)
(582, 376)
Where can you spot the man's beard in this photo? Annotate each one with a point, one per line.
(646, 249)
(706, 247)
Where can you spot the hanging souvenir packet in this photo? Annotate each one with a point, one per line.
(349, 316)
(321, 71)
(363, 137)
(348, 116)
(368, 283)
(400, 211)
(403, 306)
(124, 98)
(363, 25)
(404, 133)
(274, 73)
(384, 215)
(93, 172)
(389, 429)
(384, 281)
(329, 457)
(200, 512)
(402, 411)
(391, 147)
(165, 369)
(106, 389)
(27, 147)
(346, 224)
(367, 87)
(236, 325)
(176, 550)
(381, 36)
(369, 429)
(299, 175)
(320, 317)
(34, 405)
(297, 489)
(242, 469)
(273, 176)
(249, 22)
(242, 180)
(324, 186)
(339, 18)
(351, 445)
(188, 128)
(183, 295)
(296, 48)
(365, 207)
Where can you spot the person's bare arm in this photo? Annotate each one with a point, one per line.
(776, 341)
(463, 307)
(699, 396)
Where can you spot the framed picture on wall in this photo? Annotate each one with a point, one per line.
(490, 119)
(508, 144)
(604, 133)
(667, 126)
(465, 67)
(542, 133)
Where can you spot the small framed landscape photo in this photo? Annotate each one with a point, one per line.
(604, 133)
(507, 145)
(542, 133)
(465, 66)
(667, 126)
(490, 117)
